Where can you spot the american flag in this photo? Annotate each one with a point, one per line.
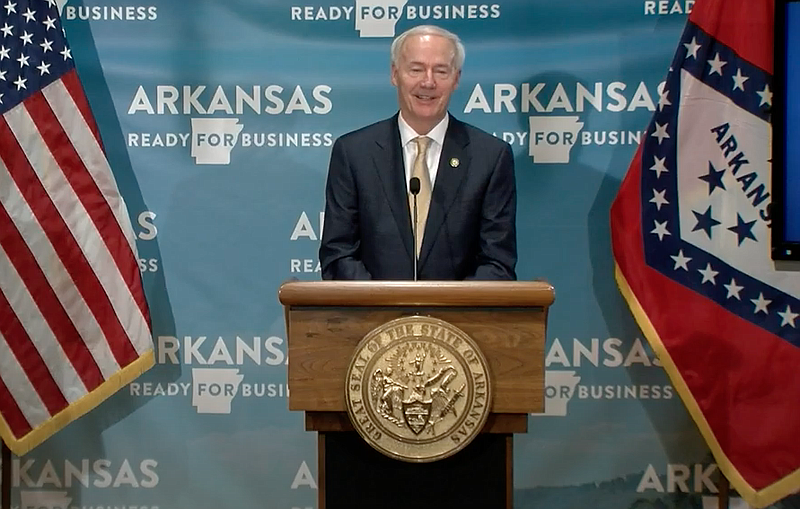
(74, 323)
(691, 239)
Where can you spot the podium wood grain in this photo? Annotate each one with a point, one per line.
(323, 341)
(326, 320)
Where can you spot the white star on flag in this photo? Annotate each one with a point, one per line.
(663, 100)
(738, 80)
(681, 261)
(661, 132)
(660, 230)
(788, 317)
(691, 48)
(733, 290)
(658, 198)
(708, 274)
(766, 96)
(716, 65)
(761, 303)
(658, 165)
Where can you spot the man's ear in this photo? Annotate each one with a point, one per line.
(394, 75)
(458, 79)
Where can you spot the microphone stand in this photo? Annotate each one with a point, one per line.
(413, 187)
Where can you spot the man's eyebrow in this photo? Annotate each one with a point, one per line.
(435, 66)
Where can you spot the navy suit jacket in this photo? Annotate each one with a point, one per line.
(471, 228)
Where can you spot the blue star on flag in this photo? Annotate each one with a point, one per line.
(714, 178)
(704, 221)
(744, 230)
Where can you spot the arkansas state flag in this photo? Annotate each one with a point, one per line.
(691, 240)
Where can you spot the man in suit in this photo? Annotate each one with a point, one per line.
(465, 216)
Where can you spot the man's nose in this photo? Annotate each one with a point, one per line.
(427, 79)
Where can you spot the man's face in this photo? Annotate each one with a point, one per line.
(425, 79)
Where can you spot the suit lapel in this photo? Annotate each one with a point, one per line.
(453, 167)
(388, 162)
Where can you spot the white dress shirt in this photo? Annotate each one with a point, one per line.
(407, 135)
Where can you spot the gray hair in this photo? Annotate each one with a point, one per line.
(400, 40)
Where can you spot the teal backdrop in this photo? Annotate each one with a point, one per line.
(218, 117)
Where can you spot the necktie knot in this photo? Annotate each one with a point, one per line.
(422, 145)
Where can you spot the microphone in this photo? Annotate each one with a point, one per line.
(413, 186)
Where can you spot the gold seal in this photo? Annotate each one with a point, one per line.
(418, 389)
(454, 162)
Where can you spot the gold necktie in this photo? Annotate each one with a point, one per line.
(420, 170)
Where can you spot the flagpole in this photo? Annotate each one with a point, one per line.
(5, 475)
(724, 493)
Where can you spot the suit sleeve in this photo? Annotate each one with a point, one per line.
(339, 251)
(497, 252)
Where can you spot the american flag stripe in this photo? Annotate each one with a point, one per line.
(57, 276)
(94, 175)
(63, 100)
(63, 104)
(11, 411)
(49, 326)
(95, 267)
(62, 241)
(95, 272)
(32, 409)
(71, 82)
(22, 363)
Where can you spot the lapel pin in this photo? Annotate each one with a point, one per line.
(454, 162)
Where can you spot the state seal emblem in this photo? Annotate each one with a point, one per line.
(418, 389)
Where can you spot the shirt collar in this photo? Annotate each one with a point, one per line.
(436, 134)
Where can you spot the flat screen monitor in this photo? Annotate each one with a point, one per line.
(785, 210)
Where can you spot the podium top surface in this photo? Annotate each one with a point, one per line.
(417, 293)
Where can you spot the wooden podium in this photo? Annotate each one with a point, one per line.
(325, 320)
